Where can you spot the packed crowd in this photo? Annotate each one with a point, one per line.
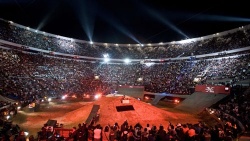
(27, 77)
(218, 43)
(235, 109)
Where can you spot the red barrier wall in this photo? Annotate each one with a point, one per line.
(212, 89)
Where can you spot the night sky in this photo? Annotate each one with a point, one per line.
(127, 21)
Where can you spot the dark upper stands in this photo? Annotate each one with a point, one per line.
(217, 43)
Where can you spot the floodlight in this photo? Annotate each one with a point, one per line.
(126, 60)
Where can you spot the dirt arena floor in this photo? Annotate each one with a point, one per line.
(71, 112)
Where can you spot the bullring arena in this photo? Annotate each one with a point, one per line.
(56, 88)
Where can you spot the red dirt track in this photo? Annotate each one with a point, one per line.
(70, 114)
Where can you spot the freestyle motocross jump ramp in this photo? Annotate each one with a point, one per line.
(196, 102)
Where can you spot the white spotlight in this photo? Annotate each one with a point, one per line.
(126, 60)
(97, 96)
(106, 59)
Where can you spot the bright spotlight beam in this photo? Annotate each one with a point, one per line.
(43, 22)
(86, 15)
(108, 18)
(50, 14)
(165, 21)
(221, 18)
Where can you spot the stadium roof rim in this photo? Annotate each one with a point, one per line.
(131, 45)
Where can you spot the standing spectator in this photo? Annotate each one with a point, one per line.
(124, 135)
(31, 138)
(145, 134)
(85, 132)
(151, 136)
(21, 136)
(111, 133)
(148, 127)
(98, 133)
(161, 134)
(117, 134)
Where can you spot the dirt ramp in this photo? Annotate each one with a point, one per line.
(142, 112)
(72, 118)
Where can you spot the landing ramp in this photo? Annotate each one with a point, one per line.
(196, 102)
